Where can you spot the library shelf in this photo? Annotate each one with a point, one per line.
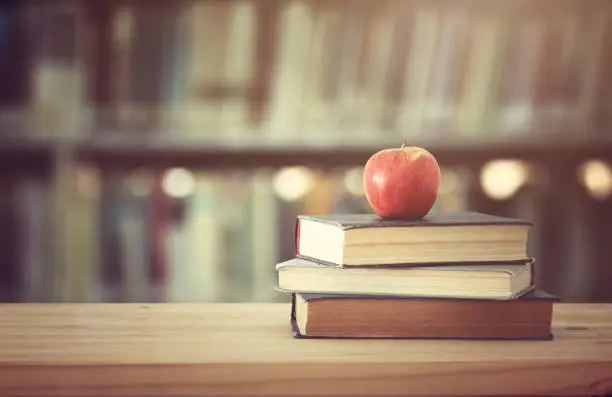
(257, 153)
(233, 349)
(139, 150)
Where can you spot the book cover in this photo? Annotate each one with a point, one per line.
(535, 294)
(300, 261)
(358, 221)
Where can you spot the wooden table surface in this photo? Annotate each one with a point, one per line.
(247, 349)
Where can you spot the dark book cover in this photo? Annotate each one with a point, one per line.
(534, 294)
(360, 221)
(411, 264)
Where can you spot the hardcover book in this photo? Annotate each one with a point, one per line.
(502, 281)
(366, 239)
(363, 317)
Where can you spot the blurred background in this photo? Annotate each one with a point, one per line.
(161, 150)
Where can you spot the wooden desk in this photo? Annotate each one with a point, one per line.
(247, 349)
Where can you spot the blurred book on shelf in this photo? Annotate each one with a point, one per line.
(333, 71)
(147, 235)
(176, 235)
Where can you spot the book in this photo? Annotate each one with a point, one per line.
(455, 237)
(364, 317)
(507, 281)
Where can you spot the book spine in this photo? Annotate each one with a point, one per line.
(297, 237)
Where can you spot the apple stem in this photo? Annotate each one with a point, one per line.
(403, 145)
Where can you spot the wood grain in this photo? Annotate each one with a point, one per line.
(247, 349)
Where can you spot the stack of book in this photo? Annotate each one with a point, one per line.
(448, 275)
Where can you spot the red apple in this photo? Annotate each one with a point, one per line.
(402, 182)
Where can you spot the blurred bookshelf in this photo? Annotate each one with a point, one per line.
(160, 151)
